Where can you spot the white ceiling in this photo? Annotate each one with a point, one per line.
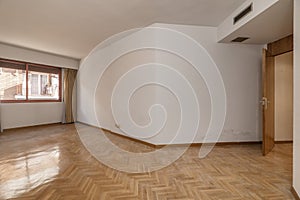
(73, 27)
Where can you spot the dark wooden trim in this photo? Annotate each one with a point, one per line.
(29, 63)
(297, 197)
(283, 142)
(11, 61)
(238, 143)
(281, 46)
(216, 144)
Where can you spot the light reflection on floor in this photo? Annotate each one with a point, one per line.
(28, 172)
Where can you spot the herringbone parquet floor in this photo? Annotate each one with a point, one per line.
(49, 162)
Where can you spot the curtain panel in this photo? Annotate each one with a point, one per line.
(69, 81)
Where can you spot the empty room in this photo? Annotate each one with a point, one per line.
(149, 100)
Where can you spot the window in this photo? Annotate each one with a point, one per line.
(27, 82)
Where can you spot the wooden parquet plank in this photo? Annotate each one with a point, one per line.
(49, 162)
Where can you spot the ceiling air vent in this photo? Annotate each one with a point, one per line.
(240, 39)
(242, 14)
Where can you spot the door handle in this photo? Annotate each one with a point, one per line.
(264, 102)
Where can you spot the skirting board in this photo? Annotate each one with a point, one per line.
(38, 125)
(283, 142)
(161, 146)
(295, 194)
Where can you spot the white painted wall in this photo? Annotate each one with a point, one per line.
(89, 74)
(296, 155)
(239, 66)
(29, 114)
(141, 100)
(284, 97)
(21, 115)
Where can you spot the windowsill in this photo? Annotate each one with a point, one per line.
(22, 99)
(30, 101)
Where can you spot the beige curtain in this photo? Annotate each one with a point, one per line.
(69, 80)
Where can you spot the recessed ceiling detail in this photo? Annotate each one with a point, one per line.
(242, 14)
(240, 39)
(268, 25)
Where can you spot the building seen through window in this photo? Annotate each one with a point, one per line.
(31, 82)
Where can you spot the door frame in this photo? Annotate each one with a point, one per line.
(276, 48)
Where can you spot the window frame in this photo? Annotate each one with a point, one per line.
(27, 64)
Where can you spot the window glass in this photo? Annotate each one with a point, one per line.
(28, 83)
(12, 81)
(43, 85)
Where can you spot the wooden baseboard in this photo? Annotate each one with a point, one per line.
(176, 145)
(295, 194)
(162, 145)
(238, 143)
(83, 123)
(132, 139)
(38, 125)
(123, 136)
(283, 142)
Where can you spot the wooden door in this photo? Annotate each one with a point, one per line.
(268, 101)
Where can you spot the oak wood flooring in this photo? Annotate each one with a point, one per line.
(49, 162)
